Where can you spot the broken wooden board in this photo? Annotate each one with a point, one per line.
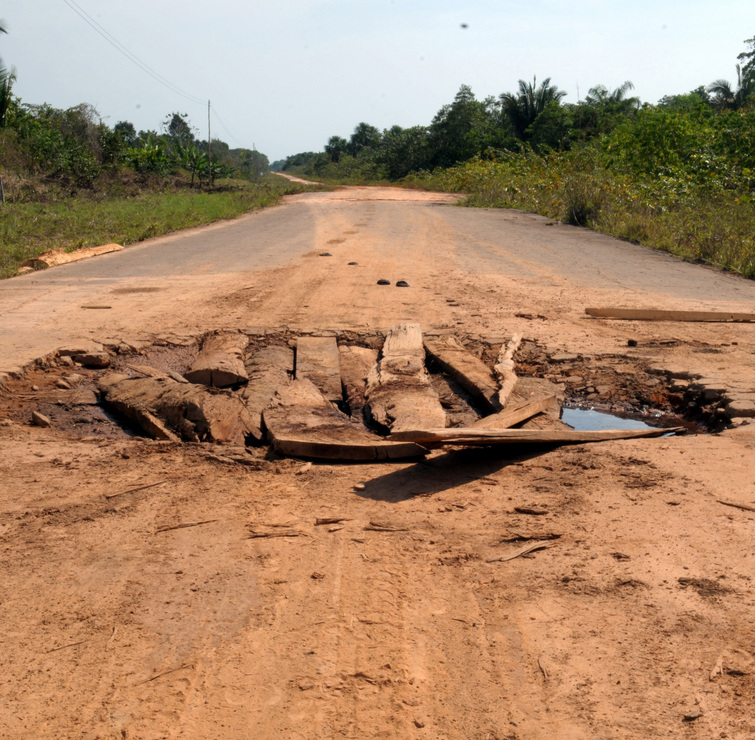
(268, 368)
(356, 364)
(59, 257)
(649, 314)
(513, 415)
(399, 392)
(317, 360)
(220, 362)
(504, 370)
(468, 371)
(303, 423)
(529, 390)
(166, 409)
(431, 438)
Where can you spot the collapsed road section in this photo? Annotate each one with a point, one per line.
(325, 395)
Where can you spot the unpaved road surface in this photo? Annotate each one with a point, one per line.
(150, 612)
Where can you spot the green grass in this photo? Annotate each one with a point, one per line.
(29, 229)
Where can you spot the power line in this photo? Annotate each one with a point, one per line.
(102, 31)
(220, 121)
(128, 54)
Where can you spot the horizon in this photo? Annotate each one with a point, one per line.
(317, 68)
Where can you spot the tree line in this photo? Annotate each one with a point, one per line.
(76, 147)
(533, 117)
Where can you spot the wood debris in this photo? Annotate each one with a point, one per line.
(512, 416)
(40, 420)
(321, 520)
(530, 390)
(518, 553)
(59, 257)
(383, 527)
(167, 673)
(134, 490)
(531, 510)
(70, 645)
(470, 372)
(184, 526)
(528, 536)
(317, 360)
(744, 507)
(152, 372)
(166, 409)
(504, 369)
(256, 534)
(650, 314)
(432, 438)
(399, 392)
(543, 668)
(267, 368)
(220, 362)
(356, 364)
(302, 423)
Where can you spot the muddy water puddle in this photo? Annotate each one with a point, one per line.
(591, 420)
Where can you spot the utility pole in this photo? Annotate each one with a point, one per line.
(209, 145)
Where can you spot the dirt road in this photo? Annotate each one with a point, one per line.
(211, 605)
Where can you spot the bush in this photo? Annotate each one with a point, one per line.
(681, 210)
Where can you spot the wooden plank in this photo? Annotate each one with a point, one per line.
(649, 314)
(356, 364)
(482, 437)
(165, 409)
(468, 371)
(220, 362)
(511, 416)
(57, 257)
(303, 423)
(268, 368)
(352, 451)
(317, 359)
(399, 392)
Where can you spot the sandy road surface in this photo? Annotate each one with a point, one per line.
(121, 621)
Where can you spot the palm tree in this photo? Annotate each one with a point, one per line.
(523, 108)
(599, 97)
(727, 98)
(7, 78)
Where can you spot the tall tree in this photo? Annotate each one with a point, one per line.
(364, 137)
(725, 97)
(179, 129)
(603, 110)
(126, 131)
(404, 150)
(7, 78)
(748, 58)
(600, 97)
(335, 147)
(462, 129)
(524, 107)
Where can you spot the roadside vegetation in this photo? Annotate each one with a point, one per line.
(678, 175)
(31, 228)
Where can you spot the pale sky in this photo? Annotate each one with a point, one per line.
(285, 75)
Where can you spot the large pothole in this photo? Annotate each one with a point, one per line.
(62, 389)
